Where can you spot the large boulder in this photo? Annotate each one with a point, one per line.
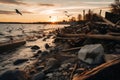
(92, 54)
(14, 75)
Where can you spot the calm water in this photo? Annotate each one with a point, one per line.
(18, 31)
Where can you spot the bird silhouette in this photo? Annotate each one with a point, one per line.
(65, 12)
(68, 15)
(18, 12)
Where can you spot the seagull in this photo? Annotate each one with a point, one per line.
(68, 15)
(65, 12)
(49, 16)
(18, 12)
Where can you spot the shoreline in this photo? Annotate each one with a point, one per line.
(60, 62)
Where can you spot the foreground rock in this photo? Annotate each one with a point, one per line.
(92, 54)
(20, 61)
(35, 47)
(47, 46)
(39, 76)
(14, 75)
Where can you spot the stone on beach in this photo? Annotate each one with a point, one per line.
(47, 46)
(35, 47)
(14, 75)
(39, 76)
(20, 61)
(92, 54)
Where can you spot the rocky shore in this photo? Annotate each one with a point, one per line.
(72, 55)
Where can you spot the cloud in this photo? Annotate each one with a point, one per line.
(97, 3)
(13, 12)
(42, 4)
(15, 2)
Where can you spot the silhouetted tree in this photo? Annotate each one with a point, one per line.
(79, 17)
(115, 7)
(72, 19)
(89, 15)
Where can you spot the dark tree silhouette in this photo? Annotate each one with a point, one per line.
(115, 7)
(79, 17)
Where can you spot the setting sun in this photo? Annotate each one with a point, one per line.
(53, 19)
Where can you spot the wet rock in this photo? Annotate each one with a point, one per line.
(65, 66)
(35, 47)
(20, 61)
(37, 54)
(92, 54)
(47, 46)
(14, 75)
(49, 75)
(39, 76)
(51, 63)
(54, 50)
(44, 39)
(44, 53)
(40, 68)
(39, 51)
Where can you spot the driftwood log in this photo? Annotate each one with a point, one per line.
(107, 71)
(71, 49)
(94, 36)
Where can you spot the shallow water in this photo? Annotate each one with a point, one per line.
(7, 58)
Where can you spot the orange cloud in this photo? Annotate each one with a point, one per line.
(42, 4)
(15, 2)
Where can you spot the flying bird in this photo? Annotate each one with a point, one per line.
(50, 16)
(68, 15)
(18, 12)
(65, 12)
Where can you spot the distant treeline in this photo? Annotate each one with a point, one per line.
(34, 23)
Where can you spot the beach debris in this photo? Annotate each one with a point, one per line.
(91, 54)
(107, 71)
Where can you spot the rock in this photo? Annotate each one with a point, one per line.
(47, 46)
(35, 47)
(65, 66)
(44, 53)
(14, 75)
(39, 51)
(49, 75)
(92, 54)
(40, 68)
(20, 61)
(37, 54)
(39, 76)
(51, 63)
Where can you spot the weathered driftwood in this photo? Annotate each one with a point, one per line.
(107, 71)
(75, 67)
(71, 49)
(11, 45)
(94, 36)
(114, 34)
(63, 38)
(109, 22)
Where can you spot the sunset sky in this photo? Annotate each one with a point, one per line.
(48, 10)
